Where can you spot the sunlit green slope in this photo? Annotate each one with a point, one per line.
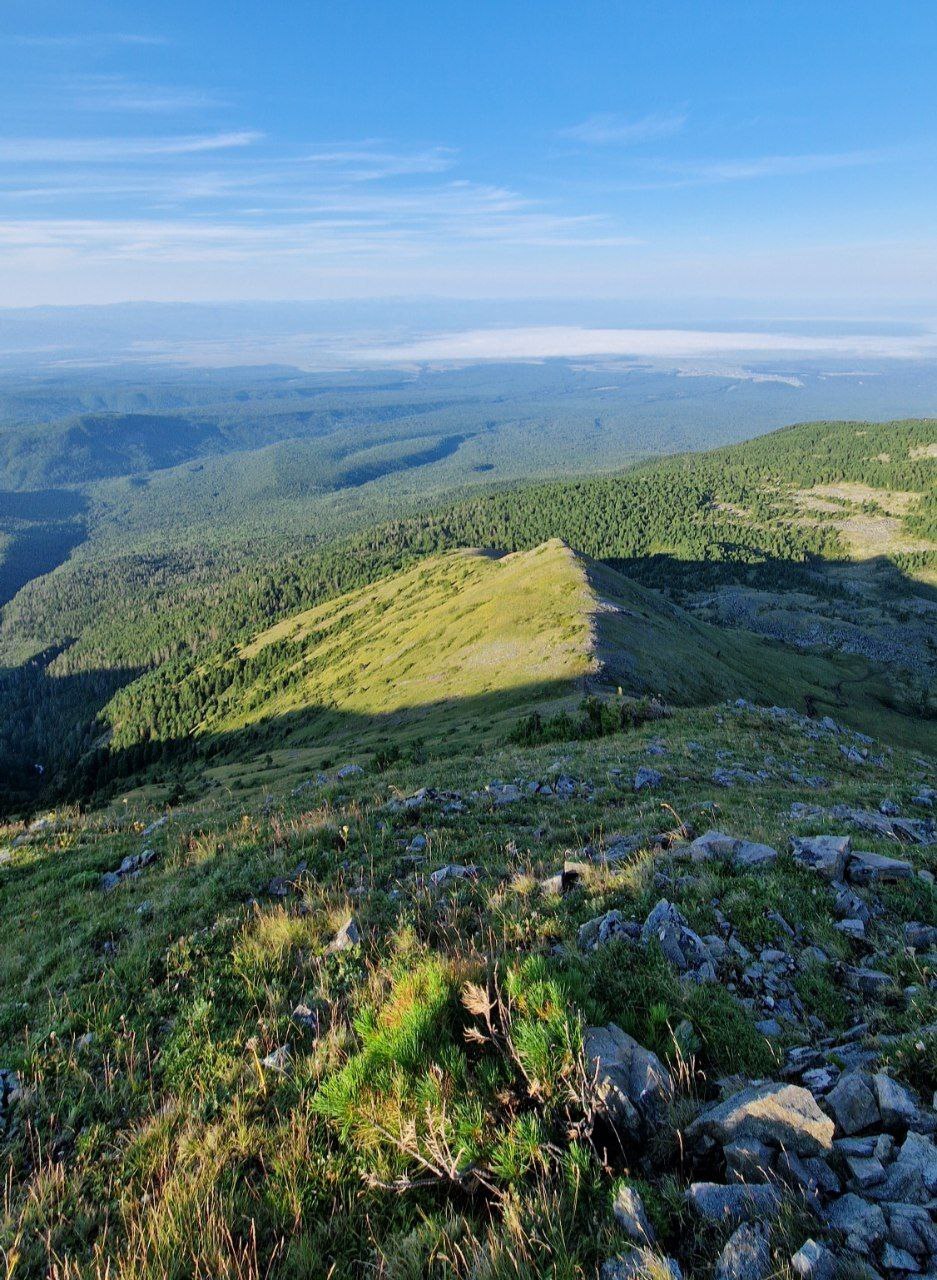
(457, 648)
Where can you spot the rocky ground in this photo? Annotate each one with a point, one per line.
(663, 1004)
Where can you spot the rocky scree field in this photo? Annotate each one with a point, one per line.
(658, 1004)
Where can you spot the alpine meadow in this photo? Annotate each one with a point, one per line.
(468, 641)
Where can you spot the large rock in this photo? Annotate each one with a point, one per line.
(853, 1104)
(634, 1087)
(746, 1255)
(862, 1224)
(783, 1115)
(824, 854)
(735, 1203)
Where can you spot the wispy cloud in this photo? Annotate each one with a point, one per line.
(370, 162)
(662, 174)
(108, 93)
(85, 39)
(96, 150)
(607, 129)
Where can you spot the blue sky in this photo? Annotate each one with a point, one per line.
(782, 153)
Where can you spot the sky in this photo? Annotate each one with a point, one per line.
(775, 152)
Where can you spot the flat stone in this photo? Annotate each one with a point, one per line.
(824, 854)
(744, 854)
(868, 982)
(852, 1103)
(875, 868)
(452, 871)
(645, 779)
(746, 1255)
(784, 1115)
(814, 1261)
(865, 1171)
(735, 1203)
(631, 1216)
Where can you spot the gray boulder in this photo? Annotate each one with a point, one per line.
(897, 1105)
(898, 1259)
(646, 779)
(717, 846)
(853, 1104)
(746, 1255)
(782, 1115)
(681, 946)
(910, 1228)
(634, 1088)
(596, 933)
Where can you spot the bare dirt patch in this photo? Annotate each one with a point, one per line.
(866, 534)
